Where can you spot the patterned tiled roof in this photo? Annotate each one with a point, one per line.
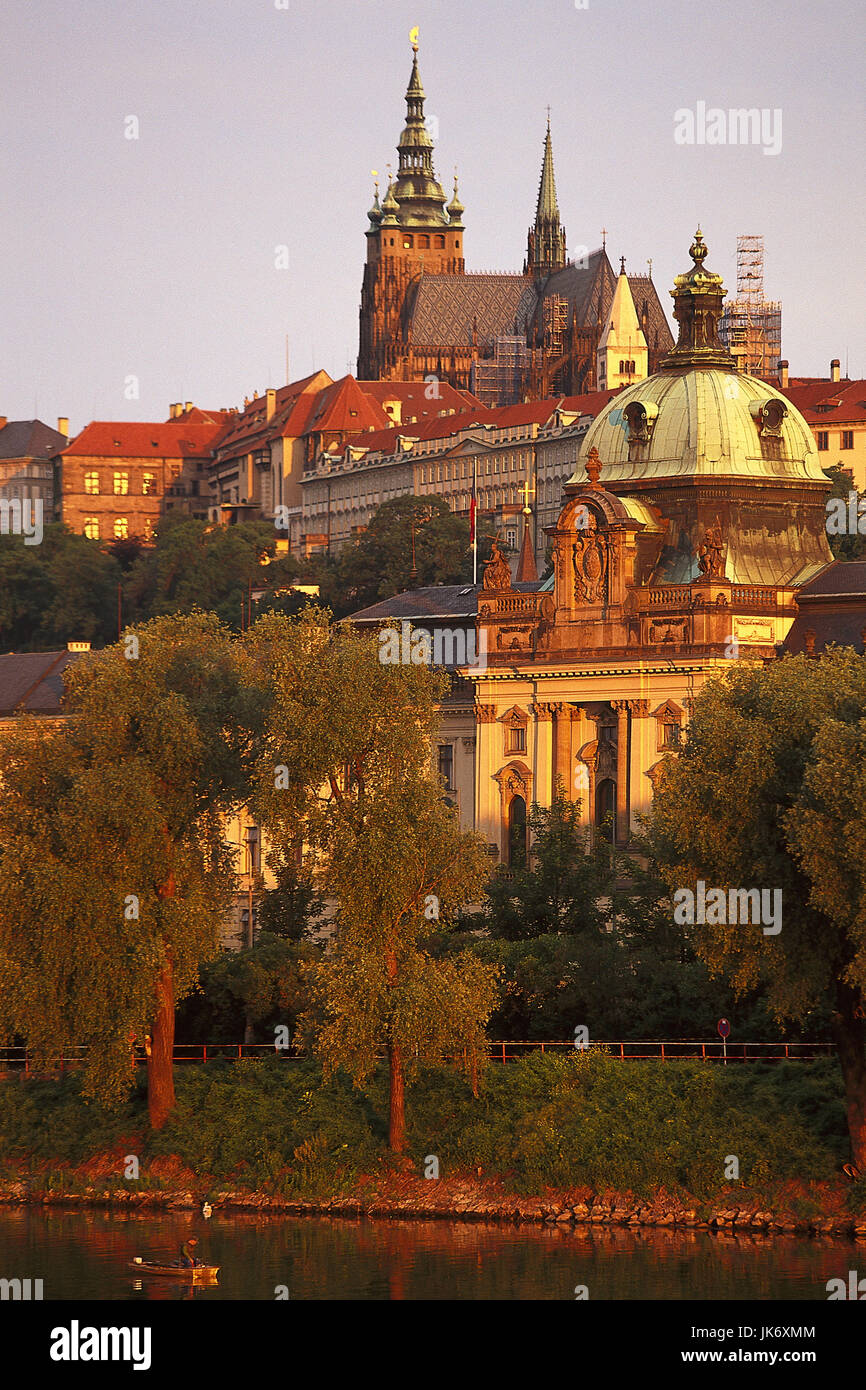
(443, 309)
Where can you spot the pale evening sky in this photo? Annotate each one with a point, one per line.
(259, 126)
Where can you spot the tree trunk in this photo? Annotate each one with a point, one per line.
(160, 1058)
(397, 1076)
(397, 1116)
(849, 1032)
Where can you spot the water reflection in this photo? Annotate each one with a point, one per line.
(85, 1254)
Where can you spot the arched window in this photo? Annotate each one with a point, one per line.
(517, 833)
(605, 807)
(440, 242)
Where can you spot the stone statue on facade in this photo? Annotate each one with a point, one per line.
(712, 554)
(497, 572)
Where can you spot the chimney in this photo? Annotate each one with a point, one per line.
(174, 410)
(63, 425)
(187, 406)
(783, 375)
(834, 369)
(271, 403)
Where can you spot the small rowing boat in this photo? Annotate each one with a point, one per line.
(197, 1274)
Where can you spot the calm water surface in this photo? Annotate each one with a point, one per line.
(83, 1255)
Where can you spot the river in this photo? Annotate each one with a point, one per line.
(84, 1255)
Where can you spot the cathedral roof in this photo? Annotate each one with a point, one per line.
(447, 308)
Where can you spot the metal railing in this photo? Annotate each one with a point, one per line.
(19, 1061)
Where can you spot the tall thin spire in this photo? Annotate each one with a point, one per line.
(547, 206)
(420, 196)
(545, 246)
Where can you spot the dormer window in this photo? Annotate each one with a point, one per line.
(640, 417)
(769, 415)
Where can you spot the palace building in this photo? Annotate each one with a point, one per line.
(694, 517)
(506, 337)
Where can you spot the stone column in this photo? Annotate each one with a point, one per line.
(622, 831)
(562, 754)
(488, 755)
(641, 757)
(545, 765)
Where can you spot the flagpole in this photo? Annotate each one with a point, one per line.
(474, 505)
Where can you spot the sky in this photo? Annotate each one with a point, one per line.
(136, 272)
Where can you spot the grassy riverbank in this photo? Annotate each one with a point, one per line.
(579, 1122)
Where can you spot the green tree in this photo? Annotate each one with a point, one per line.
(111, 853)
(346, 757)
(293, 906)
(845, 546)
(260, 987)
(767, 793)
(64, 590)
(196, 565)
(560, 887)
(379, 563)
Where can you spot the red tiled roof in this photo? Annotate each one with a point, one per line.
(251, 424)
(414, 399)
(344, 406)
(503, 417)
(197, 416)
(592, 403)
(133, 439)
(823, 401)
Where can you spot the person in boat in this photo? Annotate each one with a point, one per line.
(187, 1258)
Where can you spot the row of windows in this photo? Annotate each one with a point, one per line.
(444, 472)
(423, 243)
(846, 439)
(120, 481)
(626, 368)
(119, 528)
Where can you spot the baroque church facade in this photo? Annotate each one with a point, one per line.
(693, 520)
(506, 337)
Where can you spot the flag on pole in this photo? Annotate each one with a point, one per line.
(473, 526)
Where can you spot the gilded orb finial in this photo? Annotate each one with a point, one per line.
(413, 38)
(698, 249)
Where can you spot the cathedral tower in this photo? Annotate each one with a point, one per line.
(545, 245)
(411, 233)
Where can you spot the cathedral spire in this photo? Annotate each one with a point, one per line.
(547, 207)
(420, 197)
(545, 247)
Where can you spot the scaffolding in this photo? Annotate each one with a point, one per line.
(499, 378)
(751, 326)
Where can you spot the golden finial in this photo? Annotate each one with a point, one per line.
(698, 249)
(413, 38)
